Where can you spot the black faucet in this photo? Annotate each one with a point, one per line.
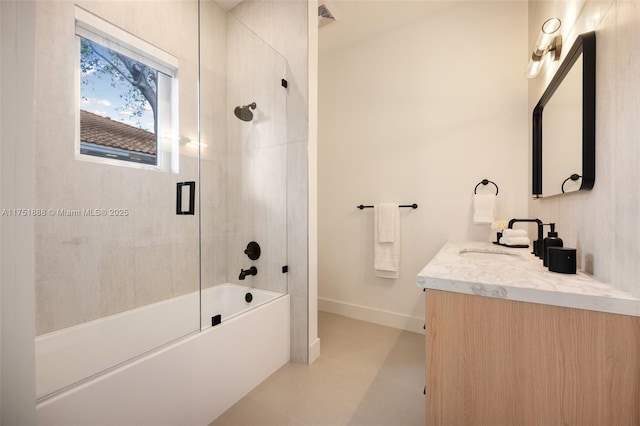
(244, 272)
(537, 244)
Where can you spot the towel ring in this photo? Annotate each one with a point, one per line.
(486, 182)
(574, 177)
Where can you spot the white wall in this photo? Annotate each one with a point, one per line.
(314, 341)
(419, 114)
(17, 324)
(603, 224)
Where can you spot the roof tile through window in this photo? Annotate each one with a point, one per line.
(103, 131)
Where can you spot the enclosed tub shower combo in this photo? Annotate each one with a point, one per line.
(161, 253)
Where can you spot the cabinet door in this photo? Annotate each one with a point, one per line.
(501, 362)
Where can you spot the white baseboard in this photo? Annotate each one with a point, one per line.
(314, 351)
(377, 316)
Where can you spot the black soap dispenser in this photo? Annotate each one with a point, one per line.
(552, 240)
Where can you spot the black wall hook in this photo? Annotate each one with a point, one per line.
(485, 182)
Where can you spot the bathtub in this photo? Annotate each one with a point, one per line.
(191, 380)
(229, 300)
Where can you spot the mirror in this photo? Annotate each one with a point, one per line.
(564, 125)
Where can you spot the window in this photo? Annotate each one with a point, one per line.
(127, 97)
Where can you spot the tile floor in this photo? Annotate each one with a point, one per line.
(367, 374)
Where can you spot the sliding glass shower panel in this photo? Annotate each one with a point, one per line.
(117, 248)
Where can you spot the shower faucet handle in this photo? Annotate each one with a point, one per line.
(253, 250)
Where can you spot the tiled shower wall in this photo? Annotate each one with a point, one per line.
(90, 267)
(243, 164)
(283, 25)
(214, 113)
(603, 224)
(257, 159)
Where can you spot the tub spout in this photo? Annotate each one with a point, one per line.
(244, 272)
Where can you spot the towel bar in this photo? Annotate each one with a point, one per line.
(485, 182)
(413, 206)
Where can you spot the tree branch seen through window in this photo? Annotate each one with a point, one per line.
(119, 88)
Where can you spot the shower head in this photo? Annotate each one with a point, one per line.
(244, 112)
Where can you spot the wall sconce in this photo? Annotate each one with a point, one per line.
(546, 43)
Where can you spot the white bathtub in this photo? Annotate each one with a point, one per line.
(192, 380)
(229, 300)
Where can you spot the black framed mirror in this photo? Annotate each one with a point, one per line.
(564, 125)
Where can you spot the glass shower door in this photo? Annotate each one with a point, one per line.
(243, 166)
(258, 156)
(117, 245)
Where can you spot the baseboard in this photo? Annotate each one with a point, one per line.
(314, 351)
(377, 316)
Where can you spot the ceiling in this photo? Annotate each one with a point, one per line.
(358, 20)
(228, 4)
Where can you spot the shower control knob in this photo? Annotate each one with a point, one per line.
(253, 250)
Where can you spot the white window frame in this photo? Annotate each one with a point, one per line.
(92, 27)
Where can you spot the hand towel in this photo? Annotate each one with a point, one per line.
(484, 208)
(514, 241)
(508, 233)
(386, 214)
(387, 253)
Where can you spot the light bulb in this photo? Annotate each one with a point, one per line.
(534, 66)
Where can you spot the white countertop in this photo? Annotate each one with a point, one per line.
(516, 274)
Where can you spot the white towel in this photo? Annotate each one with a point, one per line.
(514, 241)
(387, 253)
(386, 214)
(484, 208)
(508, 233)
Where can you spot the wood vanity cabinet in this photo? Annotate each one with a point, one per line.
(500, 362)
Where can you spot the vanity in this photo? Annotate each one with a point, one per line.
(510, 343)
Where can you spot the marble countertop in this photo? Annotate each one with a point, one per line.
(489, 270)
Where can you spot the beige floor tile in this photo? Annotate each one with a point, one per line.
(324, 375)
(388, 404)
(248, 412)
(367, 374)
(308, 405)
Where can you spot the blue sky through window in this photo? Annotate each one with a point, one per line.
(104, 91)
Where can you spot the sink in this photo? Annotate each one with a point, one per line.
(486, 254)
